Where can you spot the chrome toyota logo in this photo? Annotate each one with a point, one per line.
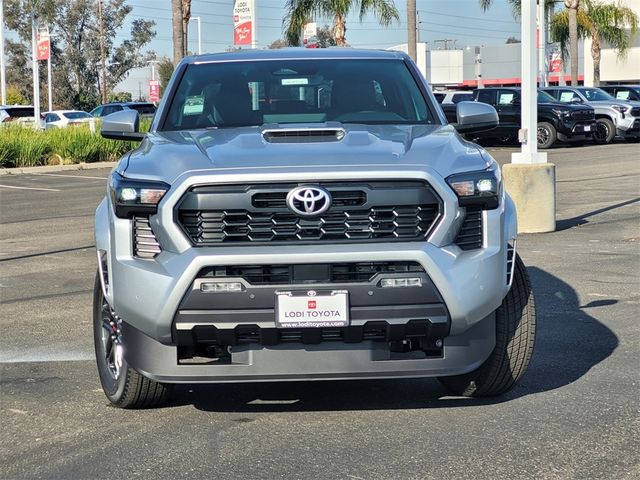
(309, 201)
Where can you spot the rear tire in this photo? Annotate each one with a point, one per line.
(515, 338)
(605, 131)
(546, 135)
(123, 386)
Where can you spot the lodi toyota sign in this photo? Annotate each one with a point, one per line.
(243, 22)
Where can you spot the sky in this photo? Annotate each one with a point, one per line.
(459, 20)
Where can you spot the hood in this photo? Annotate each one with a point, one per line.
(166, 156)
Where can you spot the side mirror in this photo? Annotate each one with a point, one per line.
(475, 117)
(576, 100)
(122, 125)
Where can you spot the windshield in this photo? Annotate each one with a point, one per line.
(544, 97)
(238, 94)
(595, 94)
(76, 115)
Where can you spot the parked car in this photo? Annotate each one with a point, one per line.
(556, 122)
(67, 118)
(623, 92)
(453, 96)
(145, 109)
(355, 236)
(613, 116)
(17, 113)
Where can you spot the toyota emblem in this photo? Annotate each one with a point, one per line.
(309, 201)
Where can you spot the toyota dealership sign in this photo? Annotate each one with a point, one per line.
(244, 22)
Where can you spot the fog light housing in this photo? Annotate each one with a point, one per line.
(221, 287)
(401, 282)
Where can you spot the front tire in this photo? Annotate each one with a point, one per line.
(123, 386)
(515, 338)
(605, 131)
(546, 135)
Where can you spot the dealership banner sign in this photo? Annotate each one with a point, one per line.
(43, 41)
(244, 22)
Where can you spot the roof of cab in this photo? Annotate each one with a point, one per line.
(295, 54)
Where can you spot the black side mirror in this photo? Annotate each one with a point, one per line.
(475, 117)
(122, 125)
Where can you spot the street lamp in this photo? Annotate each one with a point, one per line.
(199, 34)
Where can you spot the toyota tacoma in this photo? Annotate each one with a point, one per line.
(304, 214)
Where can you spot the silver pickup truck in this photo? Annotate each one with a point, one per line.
(304, 214)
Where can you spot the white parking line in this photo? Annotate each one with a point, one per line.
(68, 176)
(30, 188)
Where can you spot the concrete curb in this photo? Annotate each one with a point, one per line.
(56, 168)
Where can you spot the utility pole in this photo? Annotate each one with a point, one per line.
(418, 22)
(411, 30)
(103, 65)
(3, 82)
(445, 42)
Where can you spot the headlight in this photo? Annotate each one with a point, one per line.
(561, 113)
(480, 188)
(130, 197)
(621, 108)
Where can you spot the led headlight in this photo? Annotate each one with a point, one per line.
(132, 197)
(621, 108)
(480, 188)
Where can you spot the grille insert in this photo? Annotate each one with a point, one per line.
(361, 272)
(360, 212)
(470, 235)
(145, 244)
(635, 111)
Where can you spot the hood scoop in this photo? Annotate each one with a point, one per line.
(303, 135)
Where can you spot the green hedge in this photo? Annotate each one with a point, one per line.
(22, 146)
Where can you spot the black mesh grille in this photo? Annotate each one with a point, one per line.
(361, 272)
(583, 115)
(360, 212)
(635, 111)
(470, 234)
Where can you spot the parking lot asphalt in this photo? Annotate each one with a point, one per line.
(575, 415)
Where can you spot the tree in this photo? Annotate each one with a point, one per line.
(513, 39)
(572, 13)
(323, 39)
(177, 30)
(15, 96)
(602, 22)
(165, 70)
(75, 45)
(300, 12)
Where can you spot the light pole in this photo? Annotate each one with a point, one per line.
(35, 70)
(3, 83)
(197, 19)
(529, 179)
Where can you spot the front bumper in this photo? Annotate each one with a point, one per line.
(575, 131)
(629, 127)
(325, 361)
(147, 295)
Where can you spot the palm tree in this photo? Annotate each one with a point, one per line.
(300, 11)
(572, 22)
(601, 22)
(177, 31)
(572, 9)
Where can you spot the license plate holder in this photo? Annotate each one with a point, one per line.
(312, 309)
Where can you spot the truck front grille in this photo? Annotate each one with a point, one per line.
(583, 115)
(470, 235)
(635, 111)
(360, 212)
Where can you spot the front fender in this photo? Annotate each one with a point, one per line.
(510, 219)
(103, 243)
